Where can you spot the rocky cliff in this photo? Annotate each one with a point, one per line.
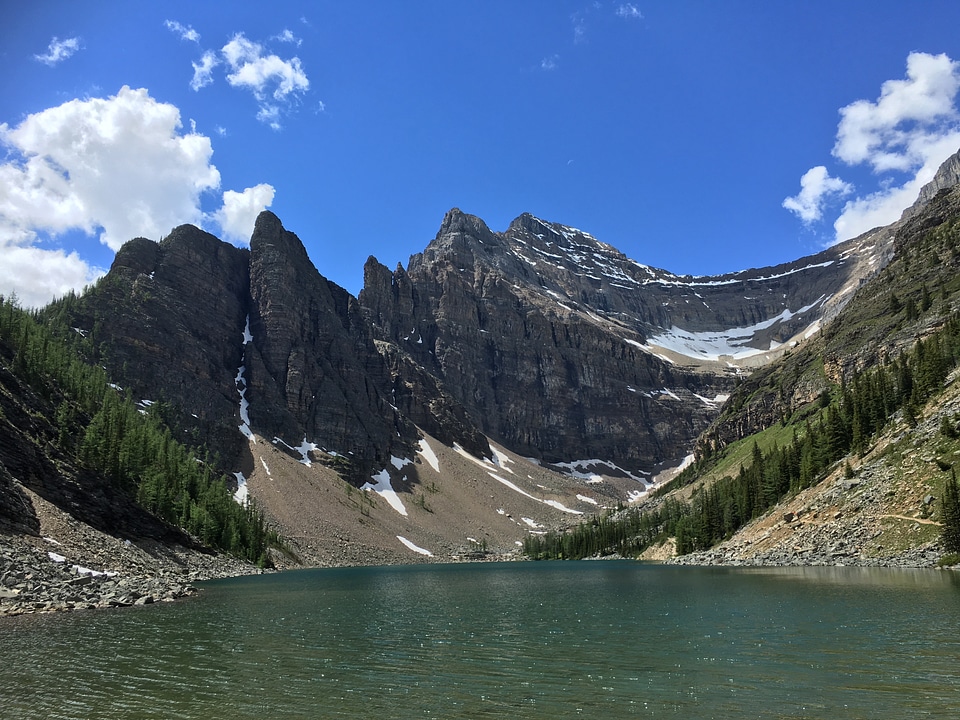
(540, 337)
(947, 176)
(167, 322)
(563, 349)
(235, 343)
(450, 390)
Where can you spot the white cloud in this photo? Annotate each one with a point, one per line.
(887, 204)
(203, 71)
(77, 159)
(287, 36)
(116, 167)
(38, 276)
(629, 11)
(550, 62)
(269, 114)
(911, 128)
(894, 132)
(579, 22)
(240, 209)
(816, 186)
(265, 75)
(186, 32)
(59, 50)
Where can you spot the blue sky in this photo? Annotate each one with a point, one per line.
(699, 137)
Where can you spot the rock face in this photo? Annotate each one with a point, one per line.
(564, 349)
(169, 318)
(313, 370)
(947, 176)
(234, 342)
(541, 337)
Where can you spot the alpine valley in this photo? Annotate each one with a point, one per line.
(501, 389)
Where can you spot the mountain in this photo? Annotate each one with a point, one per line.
(227, 339)
(843, 449)
(565, 350)
(881, 502)
(502, 384)
(541, 338)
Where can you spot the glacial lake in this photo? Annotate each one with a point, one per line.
(512, 640)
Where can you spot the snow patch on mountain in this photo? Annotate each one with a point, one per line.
(415, 548)
(429, 456)
(382, 487)
(242, 494)
(711, 345)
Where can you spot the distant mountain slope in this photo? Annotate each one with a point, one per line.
(911, 296)
(840, 451)
(564, 349)
(539, 343)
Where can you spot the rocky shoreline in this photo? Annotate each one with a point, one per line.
(843, 522)
(835, 555)
(71, 566)
(38, 575)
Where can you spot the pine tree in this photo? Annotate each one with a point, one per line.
(950, 527)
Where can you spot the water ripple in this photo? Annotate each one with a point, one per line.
(519, 641)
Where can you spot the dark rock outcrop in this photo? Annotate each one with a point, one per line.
(168, 319)
(549, 337)
(191, 322)
(313, 370)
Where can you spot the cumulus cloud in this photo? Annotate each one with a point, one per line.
(894, 132)
(203, 70)
(276, 83)
(186, 32)
(39, 275)
(58, 51)
(911, 128)
(272, 80)
(629, 11)
(75, 161)
(816, 187)
(886, 205)
(551, 62)
(240, 209)
(115, 168)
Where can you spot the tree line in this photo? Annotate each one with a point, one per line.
(845, 421)
(106, 432)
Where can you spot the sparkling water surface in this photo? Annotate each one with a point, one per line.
(515, 640)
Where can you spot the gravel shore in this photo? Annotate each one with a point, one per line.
(71, 566)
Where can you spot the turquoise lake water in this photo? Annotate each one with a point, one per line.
(514, 640)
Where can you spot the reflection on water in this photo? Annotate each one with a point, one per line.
(611, 639)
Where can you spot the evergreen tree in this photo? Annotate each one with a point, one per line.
(950, 511)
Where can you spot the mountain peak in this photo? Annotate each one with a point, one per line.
(267, 225)
(458, 221)
(948, 175)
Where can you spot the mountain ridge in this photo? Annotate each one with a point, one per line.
(537, 371)
(604, 331)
